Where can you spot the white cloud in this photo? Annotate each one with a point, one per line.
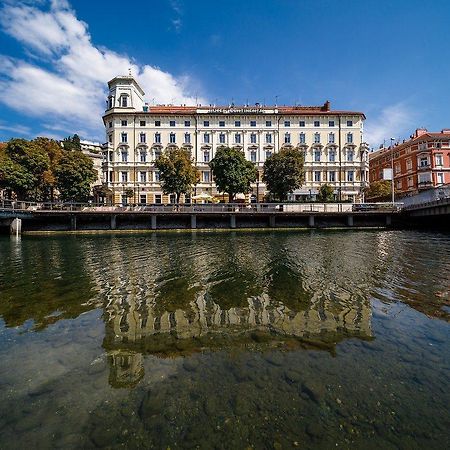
(73, 89)
(393, 121)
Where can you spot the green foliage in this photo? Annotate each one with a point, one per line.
(74, 175)
(177, 173)
(283, 172)
(72, 143)
(232, 172)
(378, 190)
(23, 165)
(326, 193)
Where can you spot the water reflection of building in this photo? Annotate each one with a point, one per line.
(134, 329)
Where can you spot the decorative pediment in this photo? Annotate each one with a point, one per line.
(238, 146)
(350, 146)
(172, 146)
(332, 146)
(302, 146)
(287, 145)
(252, 147)
(268, 147)
(142, 146)
(123, 146)
(317, 145)
(157, 146)
(206, 147)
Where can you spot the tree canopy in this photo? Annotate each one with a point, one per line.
(232, 172)
(74, 175)
(177, 173)
(378, 190)
(326, 193)
(283, 172)
(34, 169)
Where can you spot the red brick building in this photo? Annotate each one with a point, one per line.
(420, 163)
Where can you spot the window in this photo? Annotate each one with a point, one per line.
(397, 168)
(110, 138)
(142, 138)
(206, 156)
(124, 177)
(253, 156)
(187, 123)
(302, 138)
(206, 138)
(287, 138)
(124, 137)
(221, 138)
(317, 175)
(187, 138)
(157, 123)
(221, 123)
(287, 123)
(439, 160)
(124, 102)
(424, 162)
(124, 155)
(332, 176)
(143, 199)
(253, 123)
(124, 123)
(142, 123)
(440, 178)
(268, 123)
(410, 181)
(158, 198)
(317, 123)
(143, 177)
(350, 155)
(111, 176)
(423, 146)
(206, 123)
(351, 175)
(349, 123)
(317, 155)
(301, 123)
(331, 138)
(156, 177)
(349, 138)
(268, 138)
(399, 184)
(172, 138)
(157, 138)
(110, 102)
(332, 156)
(110, 124)
(253, 138)
(205, 176)
(317, 138)
(408, 164)
(143, 156)
(331, 123)
(172, 123)
(237, 138)
(111, 156)
(268, 154)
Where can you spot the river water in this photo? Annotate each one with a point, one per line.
(236, 340)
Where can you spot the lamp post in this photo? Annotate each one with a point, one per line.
(392, 169)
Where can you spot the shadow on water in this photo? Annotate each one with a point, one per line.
(230, 340)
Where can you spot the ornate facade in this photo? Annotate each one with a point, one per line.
(331, 141)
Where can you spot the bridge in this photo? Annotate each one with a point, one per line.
(28, 217)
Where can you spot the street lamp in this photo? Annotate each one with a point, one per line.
(392, 169)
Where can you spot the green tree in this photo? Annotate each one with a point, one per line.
(378, 190)
(326, 193)
(22, 167)
(283, 172)
(177, 173)
(74, 175)
(72, 143)
(232, 172)
(54, 151)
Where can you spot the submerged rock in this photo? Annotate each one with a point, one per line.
(315, 391)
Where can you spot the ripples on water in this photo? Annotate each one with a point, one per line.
(225, 340)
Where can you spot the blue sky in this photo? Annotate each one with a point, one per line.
(389, 59)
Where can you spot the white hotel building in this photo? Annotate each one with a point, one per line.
(332, 143)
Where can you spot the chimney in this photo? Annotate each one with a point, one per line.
(445, 131)
(326, 106)
(420, 132)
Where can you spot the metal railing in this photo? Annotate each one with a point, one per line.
(194, 208)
